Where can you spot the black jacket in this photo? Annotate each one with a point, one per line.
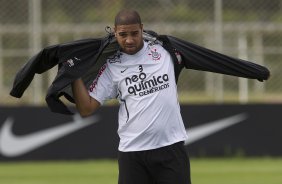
(83, 58)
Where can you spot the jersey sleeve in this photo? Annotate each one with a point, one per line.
(103, 88)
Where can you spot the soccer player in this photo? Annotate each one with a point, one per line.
(151, 130)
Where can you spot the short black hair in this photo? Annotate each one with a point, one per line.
(126, 17)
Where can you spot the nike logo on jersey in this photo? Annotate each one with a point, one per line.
(199, 132)
(123, 70)
(12, 145)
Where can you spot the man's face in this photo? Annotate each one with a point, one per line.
(129, 37)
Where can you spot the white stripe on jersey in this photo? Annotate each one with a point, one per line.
(149, 114)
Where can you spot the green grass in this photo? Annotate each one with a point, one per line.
(204, 171)
(60, 172)
(237, 171)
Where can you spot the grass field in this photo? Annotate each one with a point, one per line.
(204, 171)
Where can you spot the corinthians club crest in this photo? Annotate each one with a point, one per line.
(155, 55)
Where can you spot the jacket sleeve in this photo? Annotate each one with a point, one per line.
(200, 58)
(41, 62)
(48, 58)
(83, 56)
(74, 59)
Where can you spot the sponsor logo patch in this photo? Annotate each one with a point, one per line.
(94, 83)
(155, 55)
(116, 58)
(178, 56)
(71, 62)
(140, 85)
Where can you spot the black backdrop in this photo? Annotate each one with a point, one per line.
(259, 134)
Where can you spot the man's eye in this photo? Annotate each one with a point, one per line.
(122, 35)
(135, 33)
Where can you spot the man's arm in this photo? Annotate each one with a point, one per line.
(85, 104)
(203, 59)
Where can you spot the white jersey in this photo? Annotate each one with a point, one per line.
(144, 83)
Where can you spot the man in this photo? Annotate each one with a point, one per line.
(151, 130)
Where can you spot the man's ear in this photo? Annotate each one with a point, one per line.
(115, 31)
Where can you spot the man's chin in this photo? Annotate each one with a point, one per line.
(130, 51)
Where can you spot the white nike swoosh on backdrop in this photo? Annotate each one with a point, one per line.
(202, 131)
(12, 145)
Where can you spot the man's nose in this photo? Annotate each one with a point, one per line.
(129, 40)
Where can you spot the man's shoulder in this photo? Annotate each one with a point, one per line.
(114, 58)
(153, 47)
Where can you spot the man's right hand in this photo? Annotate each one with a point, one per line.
(85, 104)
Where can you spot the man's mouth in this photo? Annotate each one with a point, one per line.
(129, 46)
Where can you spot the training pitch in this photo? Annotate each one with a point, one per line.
(204, 171)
